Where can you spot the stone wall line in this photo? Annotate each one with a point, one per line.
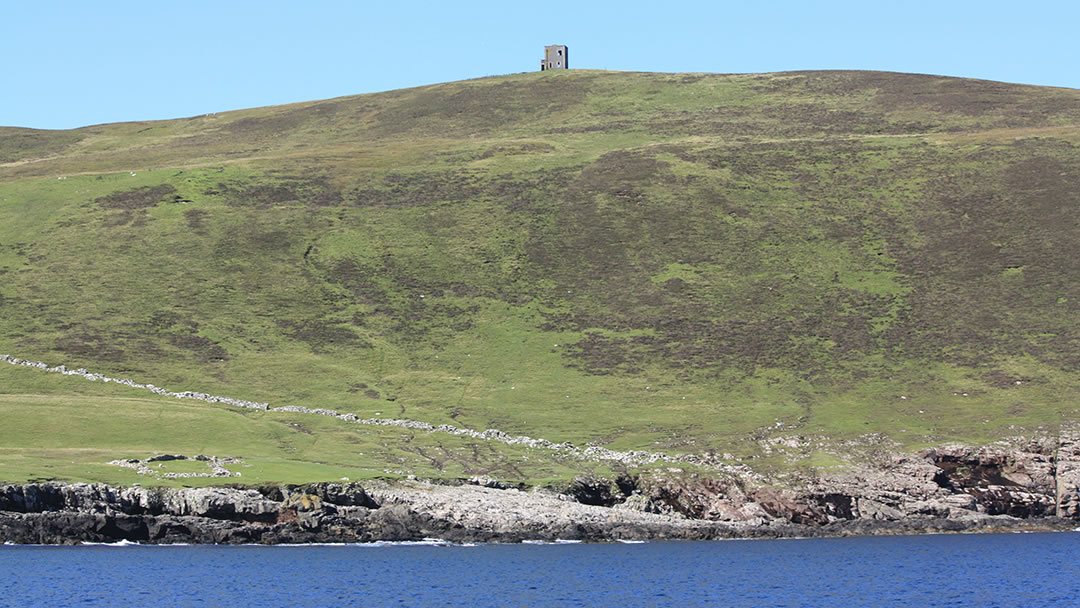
(588, 453)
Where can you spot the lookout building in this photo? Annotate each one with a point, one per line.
(556, 57)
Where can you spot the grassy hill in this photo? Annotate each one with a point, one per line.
(684, 263)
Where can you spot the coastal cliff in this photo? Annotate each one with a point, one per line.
(945, 489)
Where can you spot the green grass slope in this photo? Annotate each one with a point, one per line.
(683, 263)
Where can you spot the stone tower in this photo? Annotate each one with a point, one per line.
(556, 57)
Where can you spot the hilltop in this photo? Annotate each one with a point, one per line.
(787, 271)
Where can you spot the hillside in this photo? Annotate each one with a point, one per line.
(678, 263)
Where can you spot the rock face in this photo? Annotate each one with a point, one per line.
(1031, 485)
(66, 514)
(55, 513)
(1026, 480)
(1067, 478)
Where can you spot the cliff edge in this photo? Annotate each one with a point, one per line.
(945, 489)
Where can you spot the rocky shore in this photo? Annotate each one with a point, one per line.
(1023, 483)
(949, 489)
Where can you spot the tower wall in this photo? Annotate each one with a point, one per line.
(556, 57)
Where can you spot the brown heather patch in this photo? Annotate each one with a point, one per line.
(23, 144)
(315, 192)
(402, 190)
(138, 198)
(86, 344)
(322, 336)
(477, 107)
(204, 349)
(196, 220)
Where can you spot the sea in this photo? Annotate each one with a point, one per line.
(983, 570)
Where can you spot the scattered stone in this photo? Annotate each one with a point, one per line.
(216, 465)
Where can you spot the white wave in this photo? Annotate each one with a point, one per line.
(119, 543)
(299, 545)
(427, 542)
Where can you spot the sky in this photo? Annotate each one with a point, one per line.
(68, 64)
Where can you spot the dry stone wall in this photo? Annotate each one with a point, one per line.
(588, 453)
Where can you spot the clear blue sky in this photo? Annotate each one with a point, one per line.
(75, 63)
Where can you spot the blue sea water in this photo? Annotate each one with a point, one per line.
(985, 570)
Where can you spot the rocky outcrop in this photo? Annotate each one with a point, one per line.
(1000, 481)
(1067, 474)
(1023, 479)
(56, 513)
(63, 514)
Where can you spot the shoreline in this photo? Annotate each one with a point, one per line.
(1029, 483)
(402, 512)
(438, 542)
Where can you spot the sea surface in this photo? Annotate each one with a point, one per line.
(984, 570)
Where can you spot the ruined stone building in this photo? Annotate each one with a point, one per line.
(556, 57)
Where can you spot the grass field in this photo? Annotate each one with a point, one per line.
(75, 436)
(672, 262)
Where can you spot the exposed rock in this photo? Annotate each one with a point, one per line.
(167, 458)
(57, 513)
(712, 499)
(1067, 481)
(871, 509)
(1018, 481)
(221, 503)
(594, 491)
(303, 503)
(786, 504)
(488, 482)
(346, 495)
